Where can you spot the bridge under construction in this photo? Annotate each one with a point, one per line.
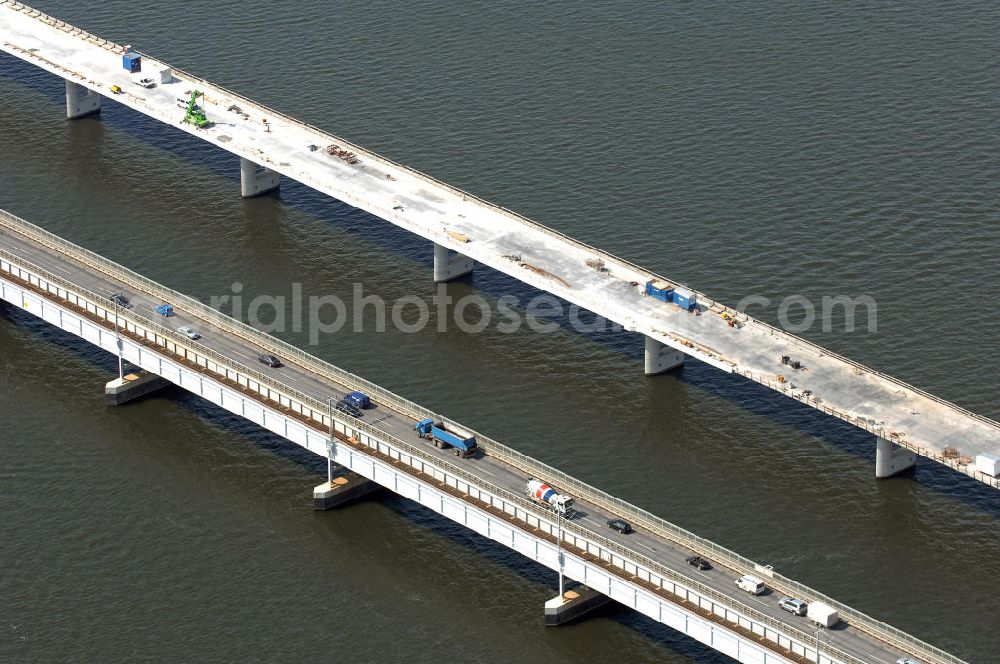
(905, 422)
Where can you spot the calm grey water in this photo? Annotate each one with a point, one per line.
(771, 149)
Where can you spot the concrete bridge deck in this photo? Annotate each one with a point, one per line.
(464, 228)
(69, 287)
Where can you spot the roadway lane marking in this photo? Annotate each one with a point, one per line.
(872, 655)
(241, 354)
(645, 546)
(61, 269)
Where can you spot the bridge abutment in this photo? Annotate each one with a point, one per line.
(449, 264)
(891, 459)
(572, 604)
(135, 384)
(661, 358)
(81, 101)
(343, 489)
(256, 179)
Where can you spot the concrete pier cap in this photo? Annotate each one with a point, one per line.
(572, 604)
(344, 488)
(81, 101)
(661, 358)
(135, 384)
(891, 459)
(256, 179)
(450, 264)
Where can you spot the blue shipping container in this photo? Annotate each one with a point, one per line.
(685, 299)
(132, 62)
(661, 290)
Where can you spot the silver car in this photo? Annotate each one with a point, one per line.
(188, 332)
(792, 605)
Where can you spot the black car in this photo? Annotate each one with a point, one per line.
(269, 360)
(699, 562)
(121, 301)
(349, 408)
(621, 525)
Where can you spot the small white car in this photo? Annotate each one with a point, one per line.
(188, 332)
(145, 82)
(908, 660)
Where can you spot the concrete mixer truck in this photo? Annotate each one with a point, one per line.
(546, 496)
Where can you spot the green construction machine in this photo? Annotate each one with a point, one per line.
(195, 113)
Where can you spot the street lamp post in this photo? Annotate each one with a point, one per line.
(118, 342)
(559, 553)
(329, 444)
(817, 645)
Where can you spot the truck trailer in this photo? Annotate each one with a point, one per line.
(446, 435)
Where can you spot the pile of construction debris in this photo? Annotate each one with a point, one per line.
(340, 152)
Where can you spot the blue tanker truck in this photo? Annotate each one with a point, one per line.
(445, 436)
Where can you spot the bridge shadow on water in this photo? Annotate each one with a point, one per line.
(490, 283)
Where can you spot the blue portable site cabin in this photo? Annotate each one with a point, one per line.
(661, 290)
(685, 299)
(132, 62)
(359, 399)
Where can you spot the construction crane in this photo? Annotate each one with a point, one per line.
(196, 114)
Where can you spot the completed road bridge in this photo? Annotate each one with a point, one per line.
(123, 312)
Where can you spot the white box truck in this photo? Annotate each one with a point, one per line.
(822, 614)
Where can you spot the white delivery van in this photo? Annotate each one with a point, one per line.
(751, 584)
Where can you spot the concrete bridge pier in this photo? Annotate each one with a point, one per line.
(572, 604)
(891, 459)
(135, 384)
(256, 179)
(449, 264)
(342, 489)
(81, 101)
(661, 357)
